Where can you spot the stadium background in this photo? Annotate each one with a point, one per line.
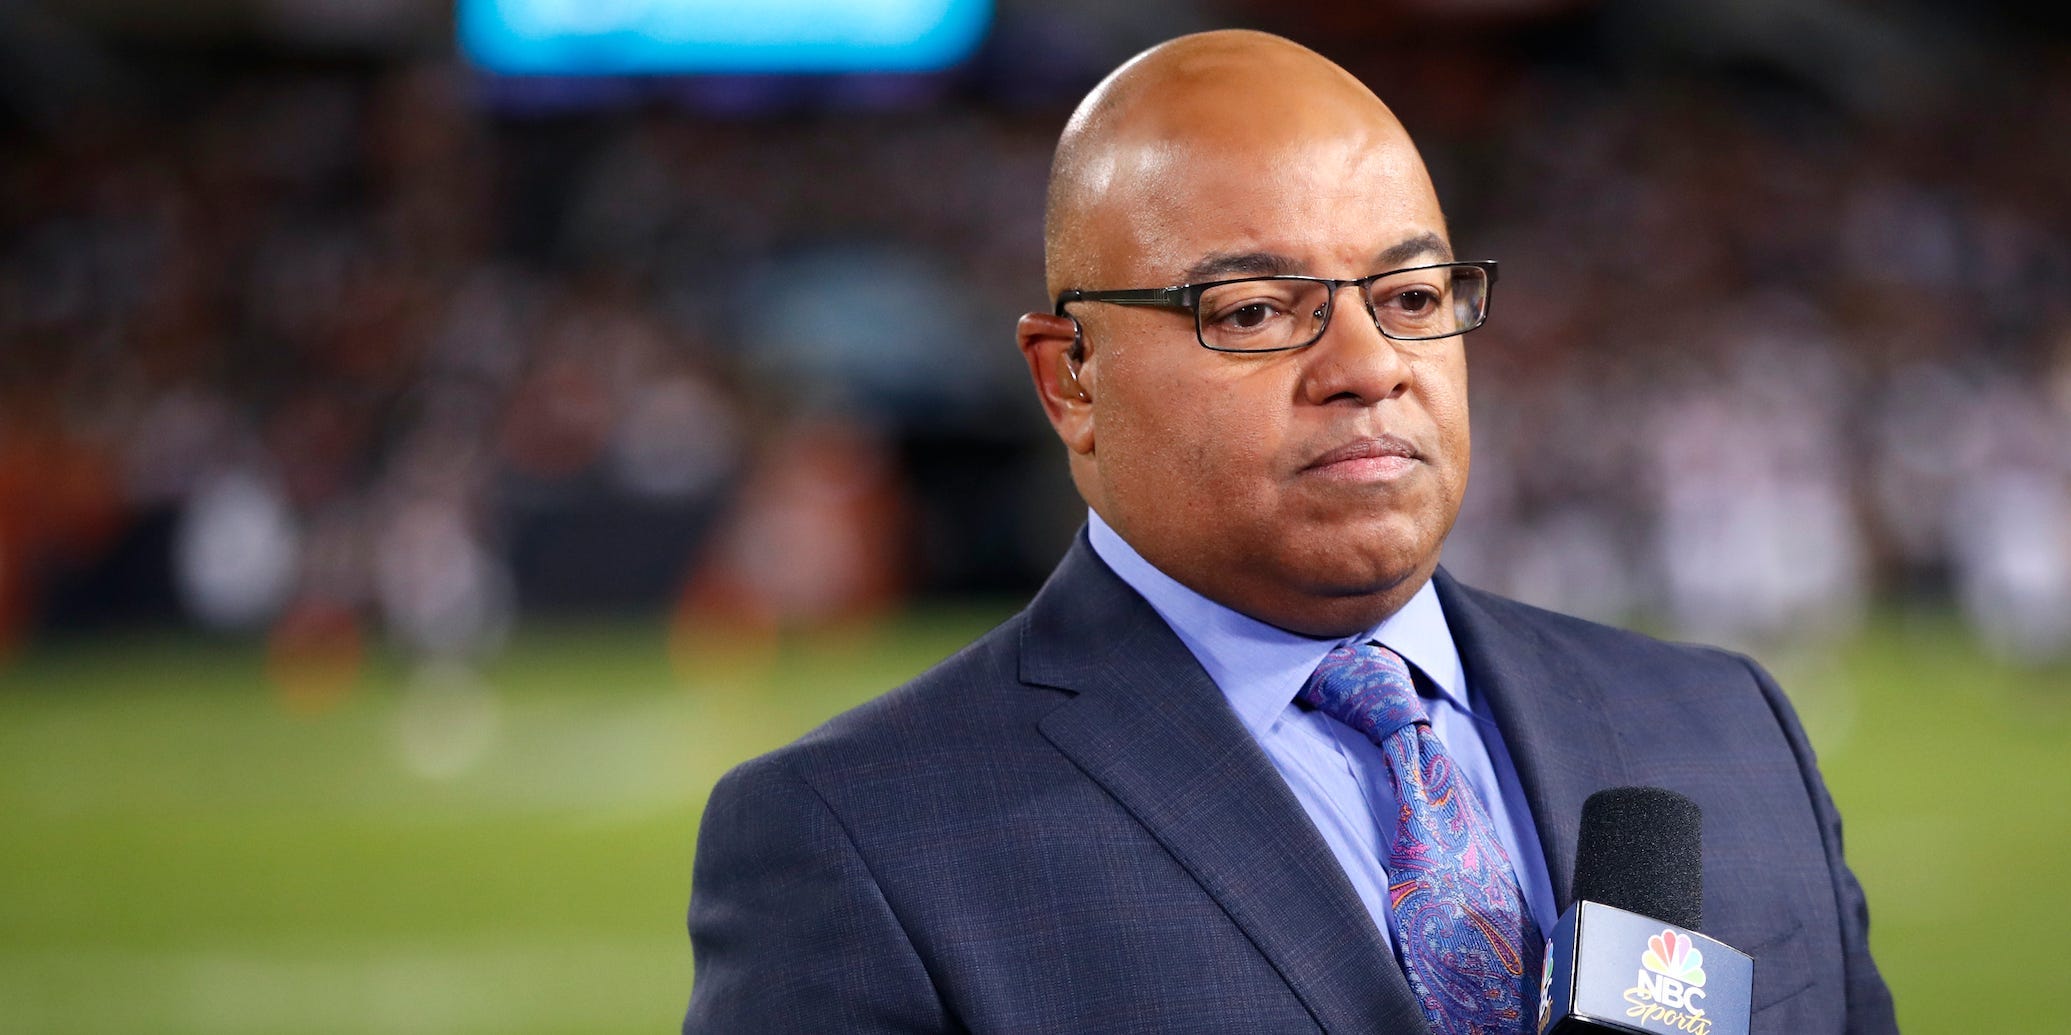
(418, 485)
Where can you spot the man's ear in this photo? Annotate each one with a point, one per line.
(1054, 349)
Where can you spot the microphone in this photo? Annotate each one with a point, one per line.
(1627, 956)
(1641, 849)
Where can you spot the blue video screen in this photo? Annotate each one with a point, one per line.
(718, 37)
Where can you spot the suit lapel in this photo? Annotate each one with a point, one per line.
(1550, 711)
(1151, 728)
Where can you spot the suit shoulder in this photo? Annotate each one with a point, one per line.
(960, 702)
(1586, 640)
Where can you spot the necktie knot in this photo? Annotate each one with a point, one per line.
(1367, 687)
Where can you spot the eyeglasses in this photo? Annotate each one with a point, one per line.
(1274, 314)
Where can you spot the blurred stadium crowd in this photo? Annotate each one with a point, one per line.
(329, 350)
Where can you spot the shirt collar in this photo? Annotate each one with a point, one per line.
(1261, 667)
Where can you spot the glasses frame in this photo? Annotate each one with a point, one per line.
(1187, 297)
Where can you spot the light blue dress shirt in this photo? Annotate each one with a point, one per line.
(1337, 774)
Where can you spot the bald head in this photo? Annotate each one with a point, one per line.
(1309, 486)
(1152, 122)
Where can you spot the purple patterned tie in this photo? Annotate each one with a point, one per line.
(1466, 941)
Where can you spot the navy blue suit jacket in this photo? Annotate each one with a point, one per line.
(1064, 828)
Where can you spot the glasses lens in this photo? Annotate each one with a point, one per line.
(1431, 303)
(1258, 315)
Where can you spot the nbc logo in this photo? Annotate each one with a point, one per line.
(1672, 954)
(1545, 989)
(1672, 972)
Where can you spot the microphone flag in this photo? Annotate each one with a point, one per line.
(1608, 969)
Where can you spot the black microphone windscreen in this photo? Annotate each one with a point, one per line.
(1641, 850)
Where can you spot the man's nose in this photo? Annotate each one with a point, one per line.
(1353, 360)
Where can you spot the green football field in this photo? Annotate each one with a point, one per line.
(187, 848)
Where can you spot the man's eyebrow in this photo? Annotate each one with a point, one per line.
(1425, 244)
(1238, 264)
(1273, 264)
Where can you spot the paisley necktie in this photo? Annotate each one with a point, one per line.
(1462, 932)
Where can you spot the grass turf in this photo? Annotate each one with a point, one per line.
(186, 848)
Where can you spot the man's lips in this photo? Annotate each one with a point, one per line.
(1380, 446)
(1380, 456)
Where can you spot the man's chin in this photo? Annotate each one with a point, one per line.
(1361, 556)
(1340, 602)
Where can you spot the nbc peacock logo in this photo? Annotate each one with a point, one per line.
(1545, 988)
(1672, 954)
(1670, 985)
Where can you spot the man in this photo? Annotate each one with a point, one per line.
(1160, 799)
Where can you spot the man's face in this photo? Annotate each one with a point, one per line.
(1312, 488)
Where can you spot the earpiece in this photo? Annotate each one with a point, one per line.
(1071, 370)
(1076, 356)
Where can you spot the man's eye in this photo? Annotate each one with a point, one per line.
(1248, 316)
(1414, 301)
